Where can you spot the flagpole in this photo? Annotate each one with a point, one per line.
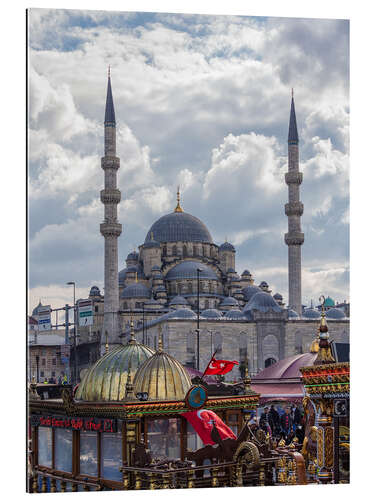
(212, 357)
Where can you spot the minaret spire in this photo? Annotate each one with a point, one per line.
(294, 209)
(110, 228)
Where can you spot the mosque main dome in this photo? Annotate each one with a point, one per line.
(178, 226)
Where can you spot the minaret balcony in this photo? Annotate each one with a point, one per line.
(294, 178)
(108, 196)
(110, 162)
(110, 229)
(294, 238)
(295, 208)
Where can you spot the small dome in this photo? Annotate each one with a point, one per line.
(178, 301)
(329, 302)
(229, 301)
(310, 313)
(136, 290)
(292, 314)
(226, 247)
(106, 379)
(160, 288)
(235, 314)
(132, 256)
(263, 302)
(246, 273)
(162, 377)
(179, 226)
(151, 244)
(335, 313)
(231, 270)
(155, 268)
(188, 270)
(263, 284)
(182, 314)
(211, 314)
(278, 296)
(235, 278)
(249, 291)
(94, 291)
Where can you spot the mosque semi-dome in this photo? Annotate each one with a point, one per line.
(137, 290)
(162, 377)
(249, 291)
(211, 314)
(292, 314)
(235, 314)
(182, 314)
(310, 313)
(179, 226)
(178, 300)
(229, 301)
(188, 270)
(106, 379)
(263, 302)
(335, 313)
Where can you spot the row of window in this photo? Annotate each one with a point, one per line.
(57, 452)
(207, 252)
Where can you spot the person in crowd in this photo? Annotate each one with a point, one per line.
(45, 381)
(274, 420)
(264, 422)
(286, 422)
(59, 380)
(296, 416)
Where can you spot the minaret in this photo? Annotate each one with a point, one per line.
(110, 228)
(294, 238)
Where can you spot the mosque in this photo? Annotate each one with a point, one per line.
(184, 286)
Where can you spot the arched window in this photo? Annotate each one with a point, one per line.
(269, 361)
(125, 305)
(190, 287)
(174, 250)
(218, 343)
(206, 304)
(184, 251)
(164, 250)
(195, 251)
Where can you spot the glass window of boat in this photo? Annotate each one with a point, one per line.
(88, 453)
(111, 456)
(63, 450)
(45, 446)
(163, 437)
(194, 442)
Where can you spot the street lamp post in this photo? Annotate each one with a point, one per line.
(74, 330)
(199, 270)
(37, 369)
(143, 323)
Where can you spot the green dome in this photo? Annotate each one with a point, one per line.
(106, 379)
(329, 302)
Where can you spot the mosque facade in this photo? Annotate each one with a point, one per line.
(182, 285)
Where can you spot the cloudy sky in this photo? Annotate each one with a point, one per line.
(203, 102)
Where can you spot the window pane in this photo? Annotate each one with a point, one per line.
(163, 437)
(111, 459)
(88, 453)
(63, 449)
(45, 446)
(194, 442)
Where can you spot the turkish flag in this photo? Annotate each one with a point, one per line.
(219, 366)
(202, 421)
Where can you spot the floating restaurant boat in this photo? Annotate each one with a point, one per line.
(127, 427)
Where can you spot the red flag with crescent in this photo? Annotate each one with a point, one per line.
(202, 421)
(219, 366)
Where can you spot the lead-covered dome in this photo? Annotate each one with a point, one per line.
(136, 290)
(335, 313)
(249, 291)
(310, 313)
(188, 270)
(179, 226)
(162, 377)
(106, 379)
(263, 302)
